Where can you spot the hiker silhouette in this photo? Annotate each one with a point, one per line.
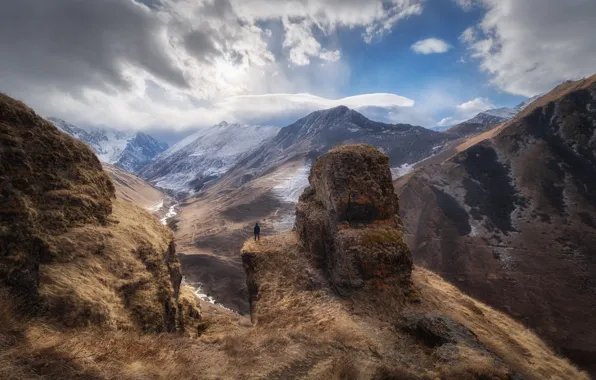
(257, 231)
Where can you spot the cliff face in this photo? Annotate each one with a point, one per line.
(348, 219)
(346, 276)
(511, 220)
(69, 251)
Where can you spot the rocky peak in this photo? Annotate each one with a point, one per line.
(348, 219)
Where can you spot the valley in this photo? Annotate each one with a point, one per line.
(297, 189)
(472, 211)
(491, 263)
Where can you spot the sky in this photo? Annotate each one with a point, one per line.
(171, 66)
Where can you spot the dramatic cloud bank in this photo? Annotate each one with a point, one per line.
(527, 47)
(182, 63)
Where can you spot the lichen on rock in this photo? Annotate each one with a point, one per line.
(348, 218)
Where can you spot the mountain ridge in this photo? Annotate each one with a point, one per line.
(130, 151)
(510, 218)
(204, 156)
(490, 118)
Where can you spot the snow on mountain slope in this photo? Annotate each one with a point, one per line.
(129, 151)
(205, 155)
(487, 119)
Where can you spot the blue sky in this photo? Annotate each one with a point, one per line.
(389, 64)
(172, 66)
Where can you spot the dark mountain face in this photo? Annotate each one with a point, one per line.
(478, 124)
(315, 134)
(139, 151)
(512, 220)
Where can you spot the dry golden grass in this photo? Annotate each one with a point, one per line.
(515, 344)
(118, 276)
(132, 188)
(303, 331)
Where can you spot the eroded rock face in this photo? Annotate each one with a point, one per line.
(68, 250)
(348, 218)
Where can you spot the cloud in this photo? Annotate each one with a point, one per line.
(468, 35)
(174, 63)
(466, 111)
(280, 108)
(527, 47)
(431, 46)
(466, 5)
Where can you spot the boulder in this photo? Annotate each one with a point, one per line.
(348, 219)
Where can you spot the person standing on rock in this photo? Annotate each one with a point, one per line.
(257, 231)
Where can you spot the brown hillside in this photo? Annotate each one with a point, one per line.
(70, 252)
(50, 183)
(133, 189)
(510, 219)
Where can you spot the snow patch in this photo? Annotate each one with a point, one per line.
(171, 213)
(156, 207)
(208, 153)
(402, 170)
(291, 187)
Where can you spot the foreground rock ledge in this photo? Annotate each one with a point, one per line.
(348, 219)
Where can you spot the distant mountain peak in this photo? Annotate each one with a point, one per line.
(130, 151)
(205, 155)
(489, 118)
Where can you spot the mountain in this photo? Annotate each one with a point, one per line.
(511, 218)
(488, 119)
(130, 151)
(204, 156)
(315, 134)
(265, 185)
(91, 287)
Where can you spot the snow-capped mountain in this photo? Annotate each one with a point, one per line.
(315, 134)
(487, 119)
(130, 151)
(205, 155)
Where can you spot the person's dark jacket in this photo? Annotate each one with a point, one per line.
(257, 229)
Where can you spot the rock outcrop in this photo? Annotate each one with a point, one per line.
(348, 219)
(49, 183)
(69, 251)
(342, 280)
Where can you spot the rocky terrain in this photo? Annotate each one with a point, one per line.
(204, 156)
(346, 276)
(129, 151)
(265, 185)
(71, 254)
(509, 218)
(91, 286)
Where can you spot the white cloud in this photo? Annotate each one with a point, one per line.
(330, 55)
(529, 46)
(176, 63)
(466, 111)
(468, 35)
(466, 5)
(431, 46)
(182, 114)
